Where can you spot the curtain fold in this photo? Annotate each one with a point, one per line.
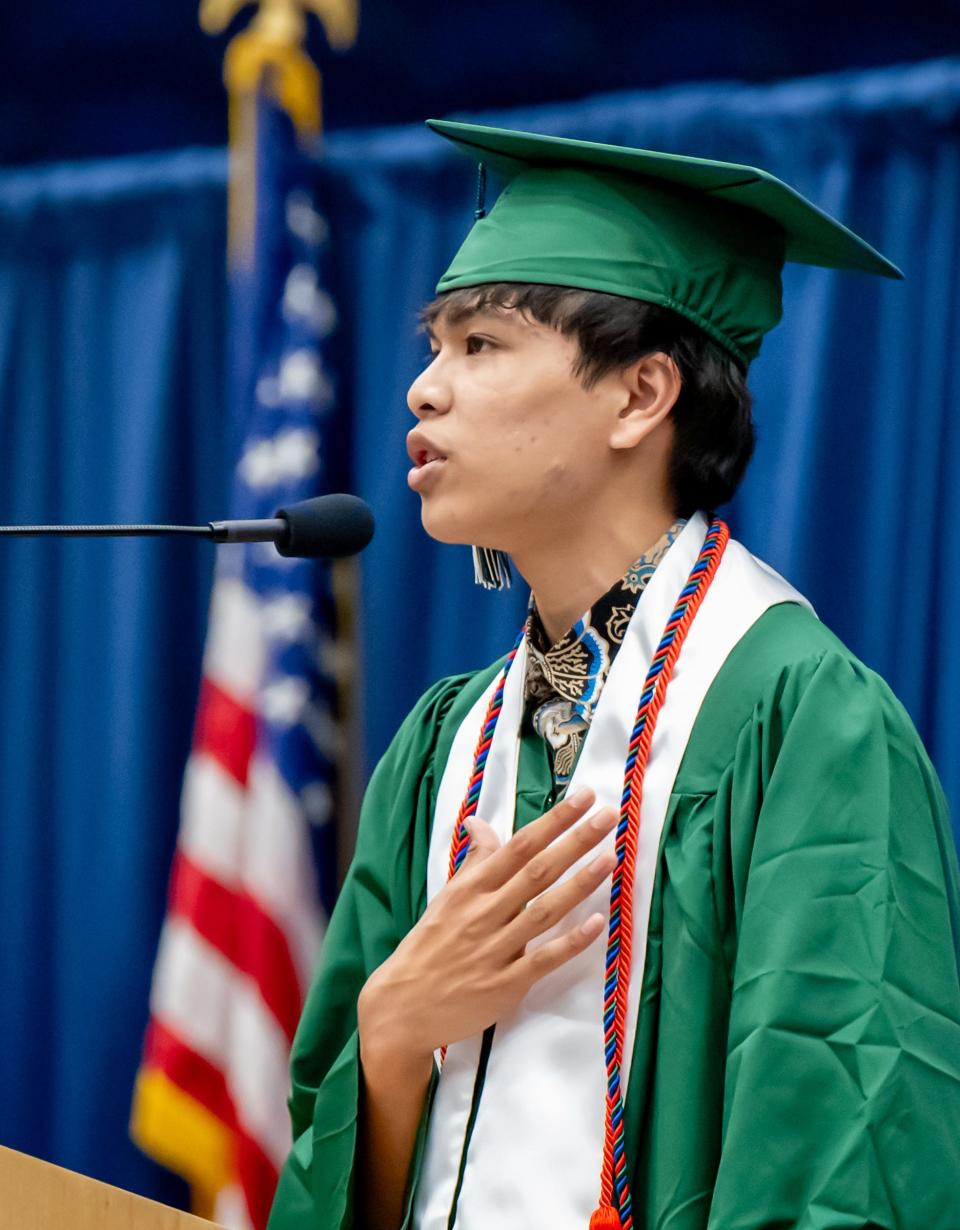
(111, 409)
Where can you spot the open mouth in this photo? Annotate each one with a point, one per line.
(425, 456)
(427, 464)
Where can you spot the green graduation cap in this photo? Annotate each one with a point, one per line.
(707, 239)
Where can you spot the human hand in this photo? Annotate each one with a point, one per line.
(465, 964)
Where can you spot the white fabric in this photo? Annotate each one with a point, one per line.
(536, 1149)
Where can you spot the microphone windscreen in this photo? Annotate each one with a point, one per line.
(331, 526)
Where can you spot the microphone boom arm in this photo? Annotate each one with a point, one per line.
(323, 527)
(106, 531)
(267, 530)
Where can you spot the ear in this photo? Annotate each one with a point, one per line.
(649, 390)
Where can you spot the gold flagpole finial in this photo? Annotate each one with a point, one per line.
(269, 55)
(284, 22)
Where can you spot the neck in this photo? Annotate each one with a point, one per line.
(578, 564)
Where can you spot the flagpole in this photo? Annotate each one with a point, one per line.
(253, 878)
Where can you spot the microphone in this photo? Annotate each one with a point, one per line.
(328, 527)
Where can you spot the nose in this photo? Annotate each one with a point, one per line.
(430, 393)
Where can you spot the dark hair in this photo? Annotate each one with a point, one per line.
(713, 415)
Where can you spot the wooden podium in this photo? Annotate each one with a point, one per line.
(37, 1196)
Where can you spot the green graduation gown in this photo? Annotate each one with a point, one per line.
(797, 1055)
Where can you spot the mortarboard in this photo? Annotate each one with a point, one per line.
(707, 239)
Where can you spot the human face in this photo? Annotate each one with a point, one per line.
(509, 445)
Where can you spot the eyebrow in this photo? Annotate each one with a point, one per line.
(462, 319)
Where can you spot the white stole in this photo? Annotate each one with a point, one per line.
(535, 1153)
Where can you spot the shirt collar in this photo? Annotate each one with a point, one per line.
(574, 668)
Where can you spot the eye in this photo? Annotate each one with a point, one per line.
(475, 343)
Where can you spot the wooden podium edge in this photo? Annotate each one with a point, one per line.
(36, 1195)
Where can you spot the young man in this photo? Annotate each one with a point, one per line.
(696, 966)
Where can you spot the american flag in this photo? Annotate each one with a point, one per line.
(247, 906)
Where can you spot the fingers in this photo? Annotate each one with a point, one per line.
(534, 838)
(483, 840)
(547, 866)
(545, 958)
(548, 909)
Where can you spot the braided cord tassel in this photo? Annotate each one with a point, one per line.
(615, 1208)
(468, 808)
(460, 843)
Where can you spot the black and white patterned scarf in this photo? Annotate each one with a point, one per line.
(563, 681)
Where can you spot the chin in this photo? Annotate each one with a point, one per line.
(453, 526)
(442, 529)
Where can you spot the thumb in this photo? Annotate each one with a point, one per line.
(483, 840)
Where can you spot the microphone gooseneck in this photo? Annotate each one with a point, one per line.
(326, 527)
(102, 531)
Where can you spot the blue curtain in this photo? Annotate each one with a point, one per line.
(849, 494)
(111, 409)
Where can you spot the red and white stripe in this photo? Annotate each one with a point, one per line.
(244, 924)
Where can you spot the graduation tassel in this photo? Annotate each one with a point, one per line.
(491, 568)
(481, 208)
(605, 1217)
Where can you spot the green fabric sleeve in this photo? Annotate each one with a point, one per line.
(382, 897)
(841, 1090)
